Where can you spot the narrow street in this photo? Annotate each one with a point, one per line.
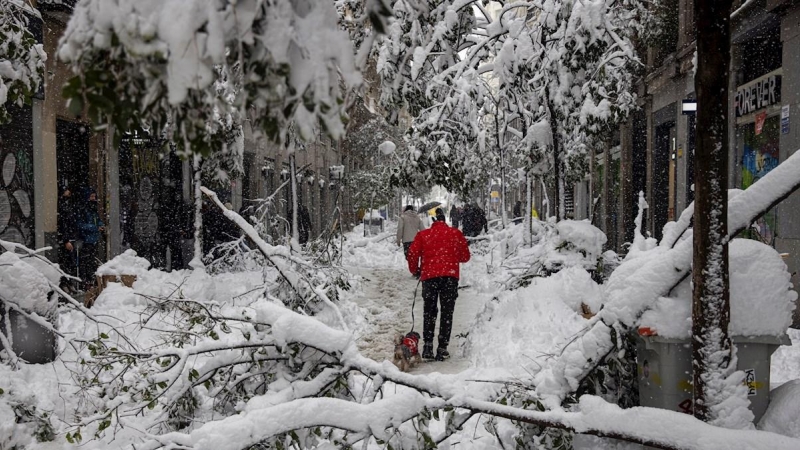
(386, 295)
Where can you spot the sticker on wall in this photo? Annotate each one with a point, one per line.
(785, 119)
(750, 382)
(760, 119)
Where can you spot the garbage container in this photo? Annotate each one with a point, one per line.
(665, 370)
(30, 341)
(373, 226)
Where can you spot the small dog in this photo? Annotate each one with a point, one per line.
(406, 351)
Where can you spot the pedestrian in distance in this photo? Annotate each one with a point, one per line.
(90, 230)
(407, 228)
(435, 255)
(517, 212)
(474, 220)
(67, 234)
(455, 216)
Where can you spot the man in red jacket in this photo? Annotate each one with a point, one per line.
(440, 249)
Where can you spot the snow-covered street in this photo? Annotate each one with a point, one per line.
(218, 219)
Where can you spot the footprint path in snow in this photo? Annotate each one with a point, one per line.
(386, 296)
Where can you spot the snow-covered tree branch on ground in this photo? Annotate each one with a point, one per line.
(639, 282)
(298, 406)
(21, 57)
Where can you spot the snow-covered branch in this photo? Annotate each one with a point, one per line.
(638, 283)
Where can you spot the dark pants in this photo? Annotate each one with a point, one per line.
(175, 245)
(406, 246)
(439, 291)
(88, 263)
(66, 259)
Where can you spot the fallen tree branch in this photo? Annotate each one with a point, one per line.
(649, 426)
(630, 297)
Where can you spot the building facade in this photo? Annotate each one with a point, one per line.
(657, 143)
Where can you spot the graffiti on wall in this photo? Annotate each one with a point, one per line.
(16, 175)
(760, 154)
(139, 186)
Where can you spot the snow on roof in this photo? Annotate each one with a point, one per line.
(762, 299)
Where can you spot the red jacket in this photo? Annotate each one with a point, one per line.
(441, 249)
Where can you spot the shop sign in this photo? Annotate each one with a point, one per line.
(785, 119)
(760, 119)
(758, 95)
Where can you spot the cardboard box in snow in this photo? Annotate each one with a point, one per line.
(762, 301)
(124, 268)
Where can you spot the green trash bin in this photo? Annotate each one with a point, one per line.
(665, 371)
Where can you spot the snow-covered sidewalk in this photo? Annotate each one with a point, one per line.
(385, 292)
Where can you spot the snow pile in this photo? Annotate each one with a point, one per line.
(577, 243)
(783, 414)
(762, 299)
(555, 247)
(373, 251)
(786, 360)
(520, 328)
(25, 286)
(583, 236)
(125, 264)
(25, 395)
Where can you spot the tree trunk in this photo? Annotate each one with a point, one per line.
(712, 352)
(606, 192)
(197, 260)
(528, 210)
(293, 174)
(592, 183)
(558, 206)
(371, 207)
(546, 201)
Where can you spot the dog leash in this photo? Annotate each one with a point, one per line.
(413, 304)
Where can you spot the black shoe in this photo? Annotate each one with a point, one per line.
(427, 351)
(442, 354)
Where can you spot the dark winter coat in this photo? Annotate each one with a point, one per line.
(474, 220)
(89, 224)
(67, 220)
(440, 249)
(517, 212)
(455, 216)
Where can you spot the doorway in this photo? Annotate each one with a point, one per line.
(72, 156)
(663, 185)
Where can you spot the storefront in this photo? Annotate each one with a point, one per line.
(757, 106)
